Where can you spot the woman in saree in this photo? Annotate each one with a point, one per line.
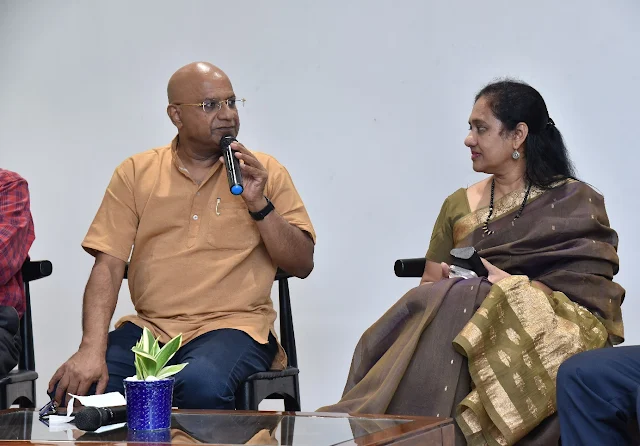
(486, 351)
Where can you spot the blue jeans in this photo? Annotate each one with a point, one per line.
(219, 361)
(597, 395)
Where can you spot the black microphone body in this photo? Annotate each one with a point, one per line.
(92, 418)
(234, 175)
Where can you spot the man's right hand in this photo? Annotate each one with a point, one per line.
(85, 367)
(88, 365)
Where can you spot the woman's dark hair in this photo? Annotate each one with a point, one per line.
(546, 157)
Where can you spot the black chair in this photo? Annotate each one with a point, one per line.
(279, 384)
(19, 386)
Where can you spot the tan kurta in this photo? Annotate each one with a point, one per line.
(198, 262)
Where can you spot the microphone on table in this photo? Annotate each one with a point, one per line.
(234, 176)
(92, 418)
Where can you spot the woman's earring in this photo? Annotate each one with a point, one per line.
(515, 155)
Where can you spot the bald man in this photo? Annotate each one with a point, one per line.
(203, 260)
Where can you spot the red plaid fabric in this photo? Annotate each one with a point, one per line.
(16, 237)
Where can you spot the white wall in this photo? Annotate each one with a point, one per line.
(350, 96)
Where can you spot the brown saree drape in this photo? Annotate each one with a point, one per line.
(407, 362)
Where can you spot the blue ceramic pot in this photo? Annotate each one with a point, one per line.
(158, 436)
(149, 404)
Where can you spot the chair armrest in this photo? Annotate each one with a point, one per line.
(410, 267)
(36, 269)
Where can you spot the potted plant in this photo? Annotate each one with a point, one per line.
(149, 394)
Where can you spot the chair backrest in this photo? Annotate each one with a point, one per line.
(287, 336)
(31, 270)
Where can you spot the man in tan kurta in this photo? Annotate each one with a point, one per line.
(202, 261)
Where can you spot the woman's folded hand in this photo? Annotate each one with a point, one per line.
(495, 273)
(434, 272)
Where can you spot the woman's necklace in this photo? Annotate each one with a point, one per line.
(485, 227)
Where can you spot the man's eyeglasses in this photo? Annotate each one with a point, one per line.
(210, 106)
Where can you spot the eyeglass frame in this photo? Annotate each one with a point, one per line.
(210, 102)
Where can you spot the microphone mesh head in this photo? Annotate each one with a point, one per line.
(226, 141)
(88, 419)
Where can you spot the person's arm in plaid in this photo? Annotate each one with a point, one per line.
(16, 224)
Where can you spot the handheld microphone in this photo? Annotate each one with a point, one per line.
(92, 418)
(234, 176)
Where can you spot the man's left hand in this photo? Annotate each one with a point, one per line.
(254, 177)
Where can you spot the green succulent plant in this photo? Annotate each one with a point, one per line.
(151, 360)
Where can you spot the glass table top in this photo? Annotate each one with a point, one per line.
(225, 428)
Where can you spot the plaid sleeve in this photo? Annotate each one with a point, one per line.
(16, 225)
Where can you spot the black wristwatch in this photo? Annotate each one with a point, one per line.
(260, 215)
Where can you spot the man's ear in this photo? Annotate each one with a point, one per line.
(174, 114)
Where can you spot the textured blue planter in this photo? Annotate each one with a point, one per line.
(149, 404)
(157, 436)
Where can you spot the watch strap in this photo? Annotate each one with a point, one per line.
(261, 214)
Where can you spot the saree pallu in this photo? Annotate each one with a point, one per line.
(413, 360)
